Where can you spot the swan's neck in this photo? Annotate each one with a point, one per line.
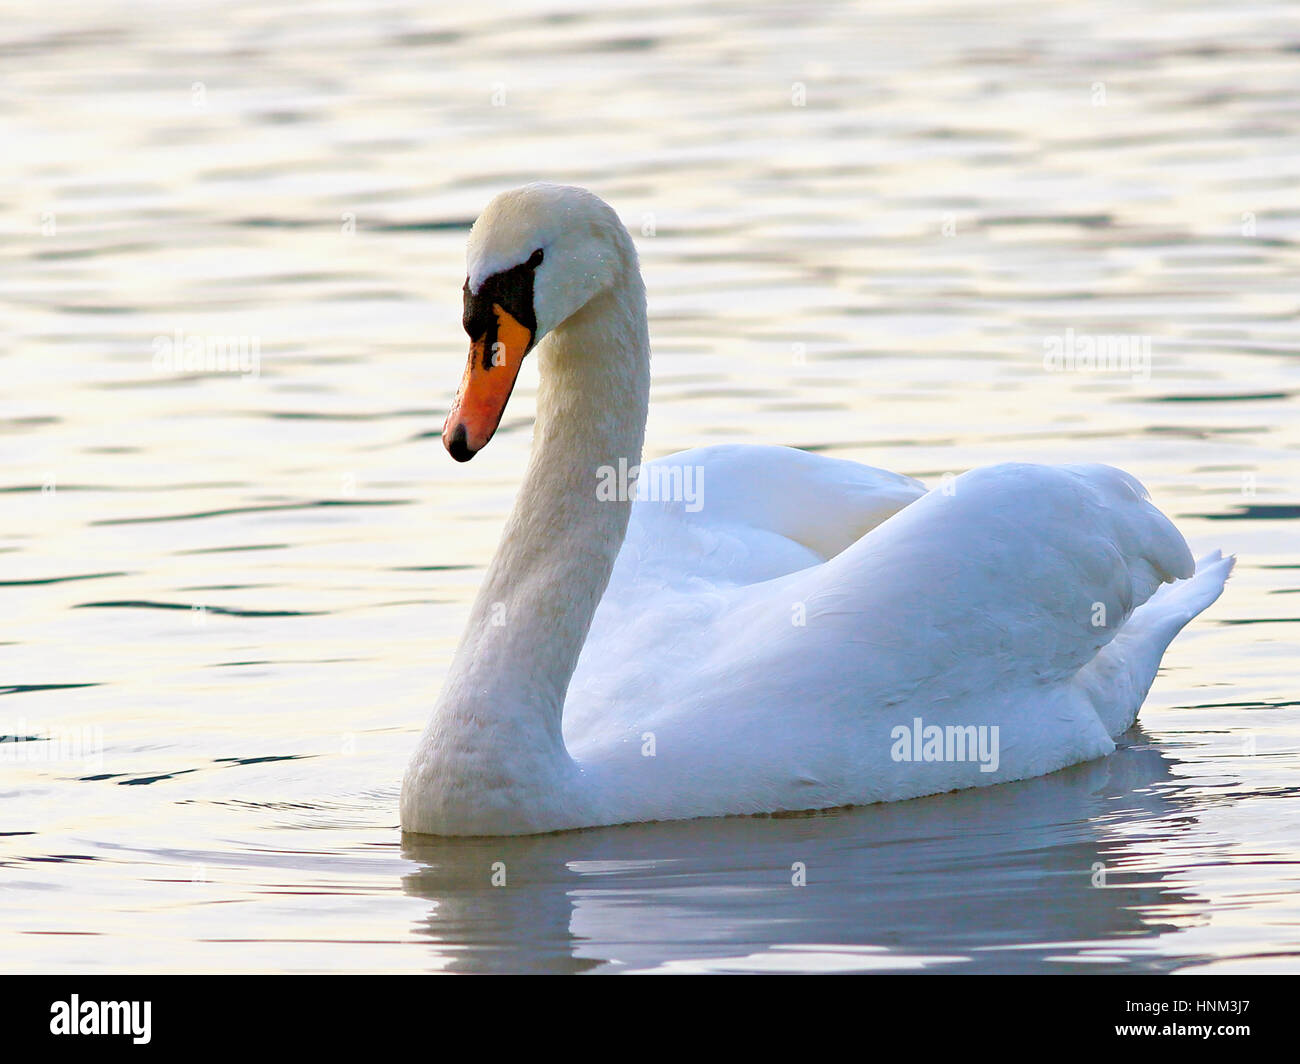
(501, 706)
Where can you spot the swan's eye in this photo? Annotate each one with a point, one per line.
(535, 259)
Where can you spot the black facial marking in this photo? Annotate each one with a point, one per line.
(512, 291)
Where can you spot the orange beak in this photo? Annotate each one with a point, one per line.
(486, 386)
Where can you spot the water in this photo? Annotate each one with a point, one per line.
(861, 229)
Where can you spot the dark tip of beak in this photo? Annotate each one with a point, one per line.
(456, 445)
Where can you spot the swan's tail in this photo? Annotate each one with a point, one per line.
(1118, 678)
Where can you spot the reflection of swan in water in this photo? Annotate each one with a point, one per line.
(771, 627)
(999, 876)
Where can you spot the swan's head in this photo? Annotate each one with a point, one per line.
(536, 256)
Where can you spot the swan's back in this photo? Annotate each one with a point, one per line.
(1017, 601)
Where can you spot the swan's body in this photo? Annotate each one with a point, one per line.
(756, 642)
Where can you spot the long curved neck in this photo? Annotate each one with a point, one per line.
(511, 671)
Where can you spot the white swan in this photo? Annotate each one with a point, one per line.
(792, 641)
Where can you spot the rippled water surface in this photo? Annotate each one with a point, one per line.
(230, 598)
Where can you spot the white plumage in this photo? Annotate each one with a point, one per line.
(781, 639)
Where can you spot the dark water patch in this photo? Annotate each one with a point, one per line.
(159, 380)
(778, 408)
(43, 44)
(144, 781)
(444, 225)
(229, 611)
(95, 308)
(316, 415)
(34, 489)
(438, 225)
(60, 858)
(284, 223)
(24, 688)
(1241, 348)
(818, 448)
(616, 44)
(318, 504)
(427, 568)
(109, 189)
(272, 280)
(1190, 432)
(244, 173)
(241, 803)
(426, 39)
(259, 760)
(68, 254)
(231, 550)
(98, 777)
(284, 118)
(1246, 705)
(1240, 398)
(1262, 620)
(1085, 221)
(59, 579)
(225, 587)
(286, 661)
(949, 133)
(1252, 512)
(27, 422)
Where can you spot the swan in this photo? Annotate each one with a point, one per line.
(762, 629)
